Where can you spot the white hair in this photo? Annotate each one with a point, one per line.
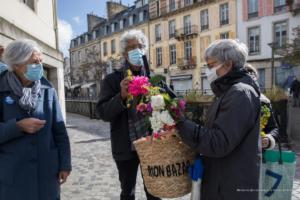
(19, 52)
(133, 34)
(228, 50)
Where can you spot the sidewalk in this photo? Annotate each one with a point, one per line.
(94, 175)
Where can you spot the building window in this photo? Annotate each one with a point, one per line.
(254, 40)
(72, 58)
(30, 4)
(157, 8)
(121, 24)
(187, 2)
(79, 56)
(279, 5)
(159, 56)
(204, 19)
(261, 78)
(187, 50)
(172, 49)
(141, 16)
(112, 27)
(130, 20)
(134, 19)
(280, 33)
(252, 8)
(157, 32)
(224, 35)
(172, 5)
(172, 28)
(107, 30)
(105, 49)
(94, 35)
(113, 46)
(187, 25)
(224, 14)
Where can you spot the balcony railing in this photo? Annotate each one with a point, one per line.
(224, 22)
(172, 35)
(186, 32)
(204, 27)
(279, 8)
(187, 63)
(252, 15)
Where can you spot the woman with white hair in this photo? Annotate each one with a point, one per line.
(126, 126)
(228, 142)
(34, 146)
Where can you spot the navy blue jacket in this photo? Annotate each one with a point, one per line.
(30, 163)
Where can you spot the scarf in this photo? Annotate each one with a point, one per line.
(28, 96)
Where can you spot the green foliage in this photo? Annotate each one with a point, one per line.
(196, 96)
(156, 79)
(276, 94)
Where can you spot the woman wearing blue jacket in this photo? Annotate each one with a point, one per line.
(35, 153)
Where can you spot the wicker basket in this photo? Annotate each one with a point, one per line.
(164, 165)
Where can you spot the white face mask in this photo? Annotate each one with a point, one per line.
(212, 73)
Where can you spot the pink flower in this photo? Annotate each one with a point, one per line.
(141, 107)
(156, 135)
(139, 86)
(181, 104)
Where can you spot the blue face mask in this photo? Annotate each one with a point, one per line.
(3, 67)
(135, 57)
(34, 72)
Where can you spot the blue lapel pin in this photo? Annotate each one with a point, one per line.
(9, 100)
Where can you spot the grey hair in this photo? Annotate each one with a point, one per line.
(19, 52)
(228, 50)
(133, 34)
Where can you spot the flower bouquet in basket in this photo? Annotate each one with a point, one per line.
(164, 157)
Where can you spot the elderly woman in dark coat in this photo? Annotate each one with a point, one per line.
(229, 141)
(34, 146)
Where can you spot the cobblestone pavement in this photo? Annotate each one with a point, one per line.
(94, 175)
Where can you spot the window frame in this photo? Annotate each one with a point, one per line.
(172, 53)
(158, 56)
(256, 43)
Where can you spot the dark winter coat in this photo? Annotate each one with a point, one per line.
(112, 108)
(229, 142)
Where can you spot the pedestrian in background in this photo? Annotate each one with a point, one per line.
(125, 125)
(295, 91)
(35, 153)
(3, 66)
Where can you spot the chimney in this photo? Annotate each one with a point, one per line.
(114, 8)
(93, 20)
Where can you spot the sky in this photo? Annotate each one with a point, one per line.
(72, 18)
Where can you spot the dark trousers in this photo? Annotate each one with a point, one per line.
(127, 175)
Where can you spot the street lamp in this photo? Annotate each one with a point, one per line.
(273, 47)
